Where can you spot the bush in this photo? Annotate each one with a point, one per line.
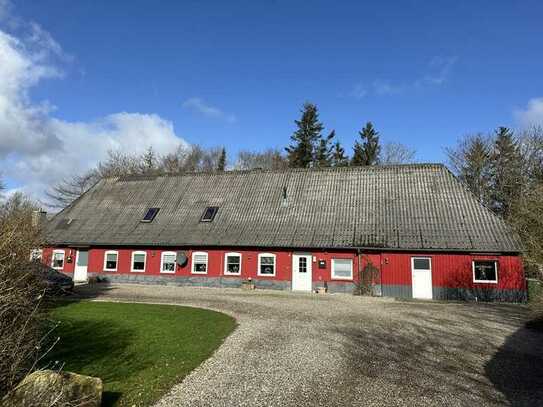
(21, 317)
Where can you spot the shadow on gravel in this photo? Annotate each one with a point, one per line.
(517, 368)
(437, 358)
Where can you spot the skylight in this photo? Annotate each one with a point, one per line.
(150, 214)
(209, 214)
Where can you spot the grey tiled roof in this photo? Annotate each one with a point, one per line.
(413, 207)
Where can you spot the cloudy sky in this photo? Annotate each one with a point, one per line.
(80, 78)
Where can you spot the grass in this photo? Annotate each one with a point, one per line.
(139, 351)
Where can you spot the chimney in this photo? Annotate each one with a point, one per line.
(39, 218)
(285, 200)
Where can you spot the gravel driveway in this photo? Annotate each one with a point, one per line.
(339, 350)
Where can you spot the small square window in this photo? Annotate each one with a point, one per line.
(150, 214)
(342, 269)
(209, 214)
(485, 271)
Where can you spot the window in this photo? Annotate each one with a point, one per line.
(302, 265)
(57, 262)
(342, 269)
(266, 264)
(209, 214)
(138, 261)
(485, 271)
(150, 214)
(167, 262)
(232, 264)
(199, 262)
(421, 263)
(110, 260)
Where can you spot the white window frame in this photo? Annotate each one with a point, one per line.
(485, 281)
(334, 277)
(144, 261)
(53, 259)
(260, 255)
(115, 252)
(226, 272)
(192, 268)
(162, 262)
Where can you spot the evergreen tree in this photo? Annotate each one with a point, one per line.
(323, 153)
(472, 163)
(506, 171)
(301, 151)
(221, 165)
(367, 152)
(339, 159)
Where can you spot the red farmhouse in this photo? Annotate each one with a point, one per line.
(424, 233)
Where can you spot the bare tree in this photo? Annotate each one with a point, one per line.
(270, 159)
(21, 316)
(397, 153)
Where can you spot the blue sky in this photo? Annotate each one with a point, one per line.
(236, 73)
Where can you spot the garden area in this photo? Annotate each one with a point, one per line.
(139, 351)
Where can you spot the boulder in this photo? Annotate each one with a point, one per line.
(51, 388)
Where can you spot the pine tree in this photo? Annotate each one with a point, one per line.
(367, 151)
(506, 171)
(339, 159)
(301, 151)
(475, 169)
(323, 153)
(221, 165)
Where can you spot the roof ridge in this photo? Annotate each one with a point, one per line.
(152, 176)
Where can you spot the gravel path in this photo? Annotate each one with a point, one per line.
(339, 350)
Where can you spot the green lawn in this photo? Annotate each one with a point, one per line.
(139, 351)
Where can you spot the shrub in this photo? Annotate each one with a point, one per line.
(21, 317)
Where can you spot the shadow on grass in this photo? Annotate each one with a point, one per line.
(97, 348)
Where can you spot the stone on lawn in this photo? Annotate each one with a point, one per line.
(47, 387)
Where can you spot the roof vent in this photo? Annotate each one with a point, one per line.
(285, 200)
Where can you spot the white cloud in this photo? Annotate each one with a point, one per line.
(199, 106)
(37, 149)
(438, 72)
(531, 115)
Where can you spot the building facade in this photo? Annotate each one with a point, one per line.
(411, 231)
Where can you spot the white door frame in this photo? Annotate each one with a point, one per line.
(302, 281)
(80, 272)
(423, 291)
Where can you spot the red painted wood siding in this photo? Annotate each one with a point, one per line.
(453, 270)
(448, 269)
(216, 259)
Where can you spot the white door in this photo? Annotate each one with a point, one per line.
(421, 272)
(301, 272)
(81, 262)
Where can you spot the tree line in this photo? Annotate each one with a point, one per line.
(504, 170)
(308, 147)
